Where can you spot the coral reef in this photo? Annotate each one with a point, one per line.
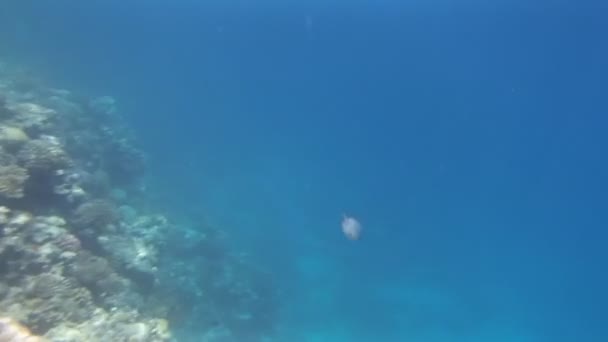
(52, 280)
(82, 255)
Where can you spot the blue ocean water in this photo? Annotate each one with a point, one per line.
(469, 138)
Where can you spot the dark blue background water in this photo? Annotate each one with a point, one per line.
(470, 140)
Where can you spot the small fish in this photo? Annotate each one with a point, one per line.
(351, 227)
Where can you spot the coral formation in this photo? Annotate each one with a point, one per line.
(231, 298)
(44, 155)
(112, 326)
(12, 137)
(30, 117)
(68, 184)
(51, 279)
(12, 181)
(96, 215)
(57, 299)
(82, 255)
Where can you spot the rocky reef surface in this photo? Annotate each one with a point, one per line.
(83, 258)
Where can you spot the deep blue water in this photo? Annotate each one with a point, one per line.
(469, 139)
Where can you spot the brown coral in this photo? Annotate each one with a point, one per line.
(12, 181)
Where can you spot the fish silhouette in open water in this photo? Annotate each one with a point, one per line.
(351, 227)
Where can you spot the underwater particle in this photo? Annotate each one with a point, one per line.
(351, 227)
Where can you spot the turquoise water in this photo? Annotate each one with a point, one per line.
(469, 139)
